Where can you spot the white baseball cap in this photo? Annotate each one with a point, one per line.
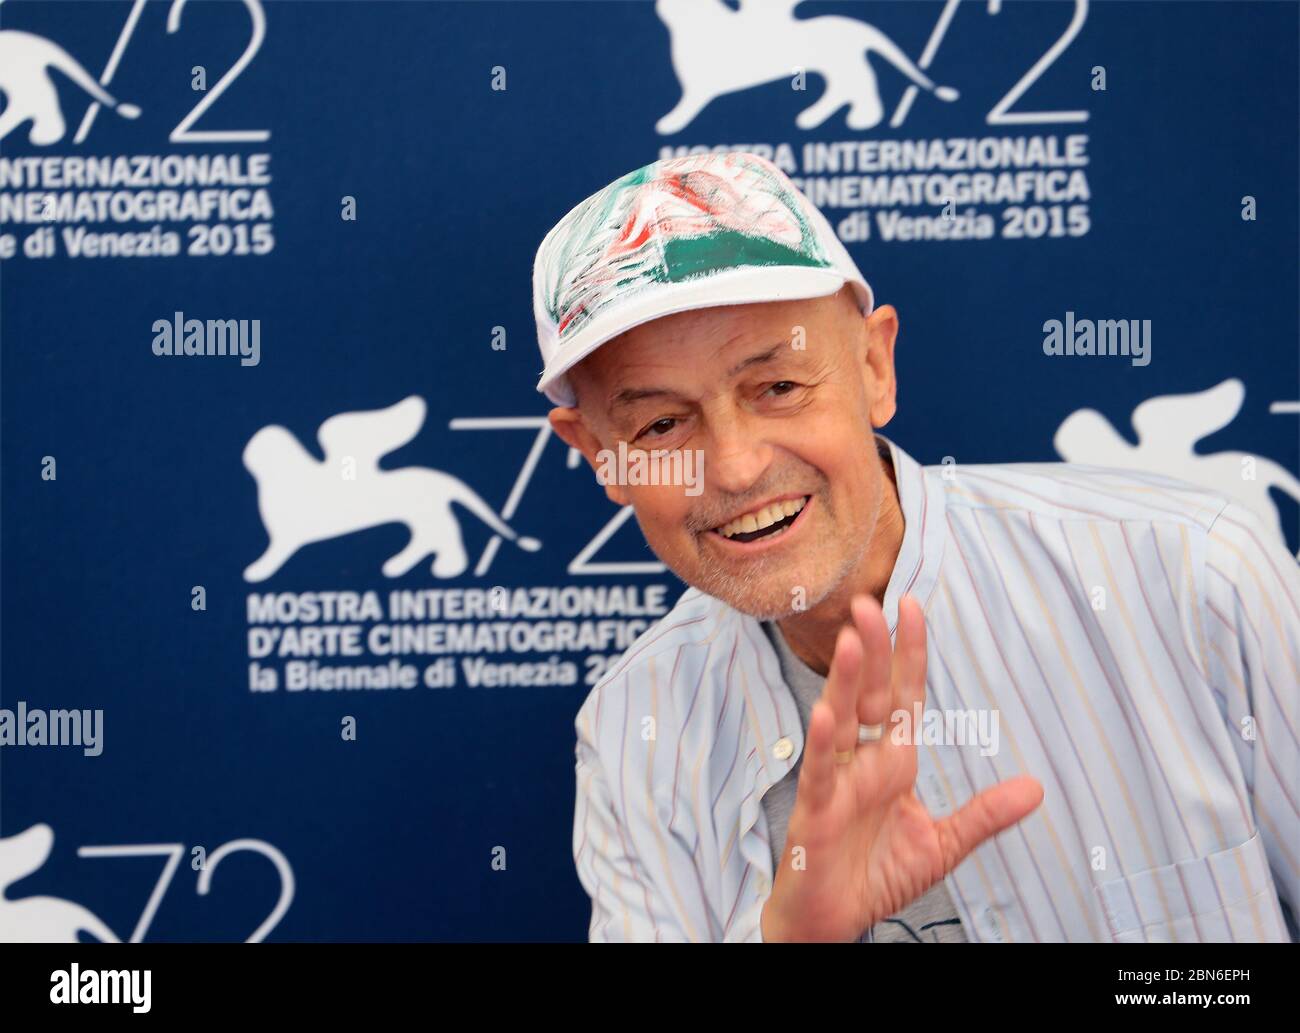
(679, 234)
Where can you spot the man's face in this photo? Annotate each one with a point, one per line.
(780, 400)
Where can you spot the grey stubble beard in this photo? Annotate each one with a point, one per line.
(736, 590)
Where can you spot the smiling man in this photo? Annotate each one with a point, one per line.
(1007, 703)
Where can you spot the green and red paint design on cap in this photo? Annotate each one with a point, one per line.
(673, 221)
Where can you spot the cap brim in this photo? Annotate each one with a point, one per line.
(742, 286)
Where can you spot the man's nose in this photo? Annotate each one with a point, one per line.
(736, 455)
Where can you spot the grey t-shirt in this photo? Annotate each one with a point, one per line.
(932, 917)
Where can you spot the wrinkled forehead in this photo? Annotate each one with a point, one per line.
(695, 351)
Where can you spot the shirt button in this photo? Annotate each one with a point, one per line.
(783, 748)
(938, 799)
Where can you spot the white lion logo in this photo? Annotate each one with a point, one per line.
(1168, 427)
(25, 63)
(304, 500)
(716, 50)
(40, 919)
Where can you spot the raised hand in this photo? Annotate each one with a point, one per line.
(869, 847)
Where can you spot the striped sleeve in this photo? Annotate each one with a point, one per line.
(1252, 627)
(625, 907)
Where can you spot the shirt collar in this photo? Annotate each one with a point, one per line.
(921, 498)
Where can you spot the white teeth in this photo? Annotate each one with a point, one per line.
(761, 518)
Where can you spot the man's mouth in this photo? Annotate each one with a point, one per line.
(767, 521)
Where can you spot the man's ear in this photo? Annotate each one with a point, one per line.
(568, 424)
(882, 331)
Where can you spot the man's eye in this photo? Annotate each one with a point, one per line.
(659, 428)
(783, 387)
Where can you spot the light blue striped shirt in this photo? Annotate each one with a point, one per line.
(1138, 639)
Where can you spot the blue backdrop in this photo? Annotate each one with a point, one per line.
(369, 182)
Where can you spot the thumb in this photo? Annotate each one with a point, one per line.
(985, 815)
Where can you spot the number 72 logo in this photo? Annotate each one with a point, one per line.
(184, 133)
(581, 563)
